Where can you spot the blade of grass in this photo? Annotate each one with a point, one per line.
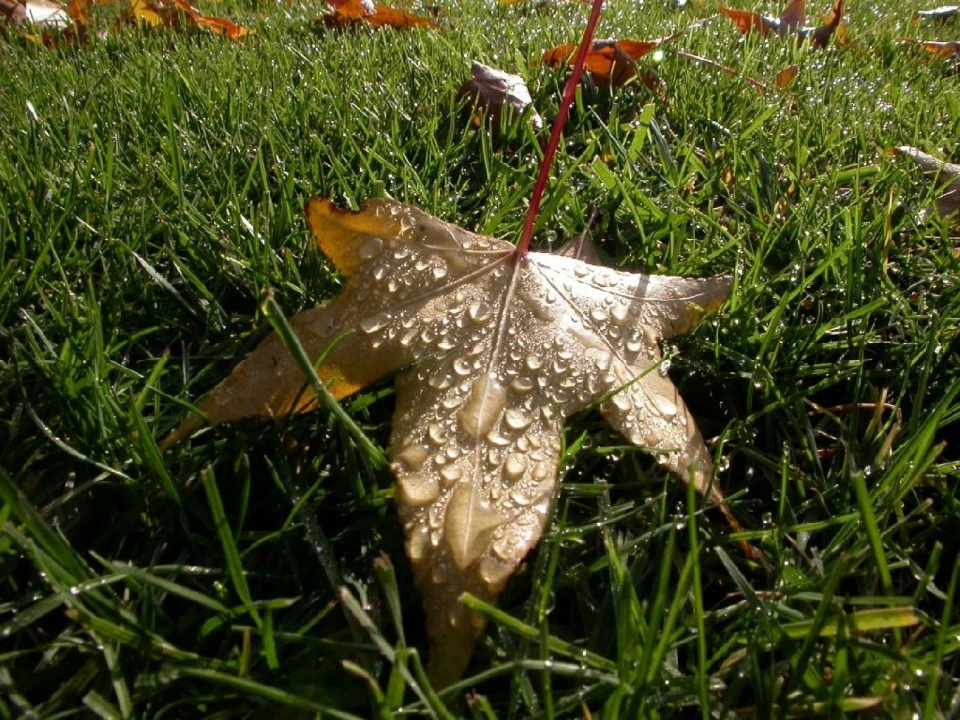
(230, 553)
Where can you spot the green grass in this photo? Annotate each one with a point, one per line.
(151, 188)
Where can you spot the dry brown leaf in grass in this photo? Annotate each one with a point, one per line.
(12, 11)
(355, 12)
(172, 13)
(609, 62)
(42, 13)
(57, 25)
(74, 21)
(489, 90)
(613, 62)
(791, 22)
(949, 201)
(786, 76)
(153, 15)
(541, 5)
(216, 25)
(493, 350)
(943, 12)
(946, 49)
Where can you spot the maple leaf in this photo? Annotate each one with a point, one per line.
(493, 350)
(491, 89)
(171, 13)
(353, 12)
(949, 201)
(790, 22)
(610, 62)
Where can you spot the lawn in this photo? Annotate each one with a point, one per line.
(152, 186)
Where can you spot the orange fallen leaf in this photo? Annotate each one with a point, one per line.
(609, 62)
(353, 12)
(171, 13)
(831, 26)
(216, 25)
(146, 12)
(790, 22)
(948, 49)
(786, 76)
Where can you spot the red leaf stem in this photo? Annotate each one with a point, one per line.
(523, 245)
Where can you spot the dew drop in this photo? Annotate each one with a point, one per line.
(437, 434)
(515, 466)
(417, 543)
(665, 406)
(493, 573)
(408, 337)
(522, 384)
(520, 498)
(517, 420)
(479, 312)
(440, 382)
(495, 438)
(451, 401)
(374, 322)
(619, 314)
(450, 474)
(412, 456)
(598, 314)
(417, 490)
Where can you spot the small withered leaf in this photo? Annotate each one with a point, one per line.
(941, 12)
(945, 49)
(948, 201)
(490, 89)
(34, 12)
(492, 350)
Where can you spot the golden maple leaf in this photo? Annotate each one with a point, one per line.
(495, 349)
